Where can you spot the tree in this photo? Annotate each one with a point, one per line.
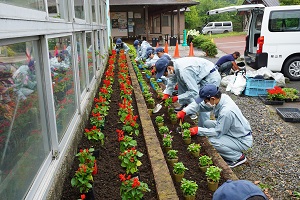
(198, 17)
(289, 2)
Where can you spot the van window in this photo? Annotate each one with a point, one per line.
(258, 22)
(218, 24)
(226, 24)
(209, 24)
(283, 21)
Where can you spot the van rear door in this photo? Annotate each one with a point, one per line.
(236, 8)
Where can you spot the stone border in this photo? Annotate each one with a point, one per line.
(163, 180)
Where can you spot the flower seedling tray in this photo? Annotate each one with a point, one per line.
(269, 102)
(289, 114)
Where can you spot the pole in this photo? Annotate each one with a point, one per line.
(184, 44)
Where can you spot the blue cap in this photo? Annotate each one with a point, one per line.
(149, 48)
(238, 190)
(161, 65)
(207, 91)
(149, 52)
(166, 56)
(119, 41)
(136, 42)
(159, 49)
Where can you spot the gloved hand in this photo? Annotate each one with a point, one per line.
(175, 98)
(153, 71)
(165, 97)
(194, 131)
(181, 114)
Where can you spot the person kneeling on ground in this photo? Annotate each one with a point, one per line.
(227, 62)
(230, 133)
(239, 190)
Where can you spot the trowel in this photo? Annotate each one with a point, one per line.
(179, 129)
(157, 107)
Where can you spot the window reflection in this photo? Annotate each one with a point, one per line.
(80, 61)
(90, 55)
(33, 4)
(60, 52)
(23, 142)
(78, 7)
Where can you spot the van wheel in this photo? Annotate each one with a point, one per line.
(225, 31)
(291, 68)
(209, 32)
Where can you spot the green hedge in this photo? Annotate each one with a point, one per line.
(205, 44)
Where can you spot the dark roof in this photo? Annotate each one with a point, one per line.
(153, 2)
(267, 3)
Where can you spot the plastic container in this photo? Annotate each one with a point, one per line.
(256, 87)
(289, 114)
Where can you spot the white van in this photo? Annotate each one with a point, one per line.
(217, 27)
(273, 38)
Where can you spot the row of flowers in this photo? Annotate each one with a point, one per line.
(83, 177)
(188, 187)
(131, 187)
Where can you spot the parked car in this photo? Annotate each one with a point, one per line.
(217, 27)
(273, 37)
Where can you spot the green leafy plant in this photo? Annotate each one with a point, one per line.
(172, 154)
(85, 156)
(129, 159)
(163, 130)
(205, 161)
(179, 168)
(127, 142)
(83, 178)
(173, 117)
(168, 102)
(186, 134)
(94, 134)
(188, 187)
(132, 188)
(186, 125)
(291, 93)
(147, 94)
(209, 48)
(213, 173)
(159, 119)
(167, 140)
(194, 147)
(150, 100)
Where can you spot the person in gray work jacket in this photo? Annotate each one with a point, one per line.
(230, 133)
(191, 73)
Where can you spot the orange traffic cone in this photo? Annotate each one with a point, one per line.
(191, 54)
(157, 45)
(166, 47)
(176, 53)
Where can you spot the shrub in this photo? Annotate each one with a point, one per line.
(209, 48)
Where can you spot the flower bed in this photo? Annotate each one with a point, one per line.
(107, 184)
(184, 156)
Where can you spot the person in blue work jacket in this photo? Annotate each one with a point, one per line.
(121, 45)
(191, 73)
(230, 133)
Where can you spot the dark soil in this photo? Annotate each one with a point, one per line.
(106, 182)
(189, 161)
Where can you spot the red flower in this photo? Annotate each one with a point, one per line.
(82, 196)
(135, 183)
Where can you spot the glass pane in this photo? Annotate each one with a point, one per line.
(60, 52)
(82, 75)
(33, 4)
(90, 55)
(78, 7)
(53, 9)
(100, 12)
(93, 11)
(23, 140)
